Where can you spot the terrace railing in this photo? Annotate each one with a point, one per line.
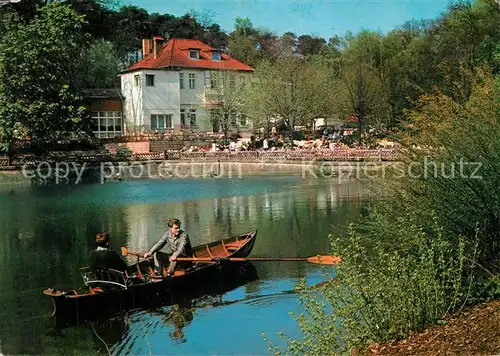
(286, 155)
(96, 157)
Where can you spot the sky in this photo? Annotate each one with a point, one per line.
(322, 18)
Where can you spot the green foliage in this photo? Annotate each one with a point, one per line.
(387, 287)
(227, 90)
(37, 81)
(431, 246)
(103, 66)
(457, 148)
(291, 89)
(362, 93)
(309, 45)
(243, 41)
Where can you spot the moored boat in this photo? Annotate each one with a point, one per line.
(107, 292)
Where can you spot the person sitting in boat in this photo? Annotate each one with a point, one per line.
(103, 257)
(177, 241)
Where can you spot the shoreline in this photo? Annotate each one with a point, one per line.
(64, 172)
(473, 331)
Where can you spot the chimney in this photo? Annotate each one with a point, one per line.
(146, 47)
(157, 45)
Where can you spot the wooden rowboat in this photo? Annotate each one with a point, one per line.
(107, 292)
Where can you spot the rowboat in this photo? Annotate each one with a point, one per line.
(107, 292)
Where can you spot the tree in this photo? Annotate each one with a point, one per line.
(131, 27)
(226, 94)
(98, 17)
(310, 45)
(39, 67)
(243, 25)
(361, 93)
(289, 44)
(243, 41)
(268, 44)
(187, 27)
(213, 36)
(102, 66)
(361, 84)
(290, 89)
(395, 71)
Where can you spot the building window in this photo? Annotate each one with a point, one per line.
(194, 54)
(243, 120)
(188, 118)
(232, 117)
(150, 80)
(106, 123)
(161, 121)
(181, 80)
(212, 113)
(231, 81)
(192, 83)
(243, 80)
(214, 119)
(213, 80)
(192, 117)
(137, 80)
(216, 56)
(183, 117)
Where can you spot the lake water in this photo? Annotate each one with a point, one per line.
(46, 235)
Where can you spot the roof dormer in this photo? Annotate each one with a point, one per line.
(216, 56)
(194, 53)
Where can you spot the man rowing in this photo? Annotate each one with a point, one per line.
(178, 243)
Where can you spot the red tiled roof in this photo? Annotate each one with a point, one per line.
(175, 53)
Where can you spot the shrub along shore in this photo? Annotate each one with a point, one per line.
(431, 248)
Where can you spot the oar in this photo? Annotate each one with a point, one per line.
(126, 252)
(319, 259)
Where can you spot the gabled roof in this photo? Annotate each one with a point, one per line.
(175, 53)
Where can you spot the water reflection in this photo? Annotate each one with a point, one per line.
(180, 312)
(179, 316)
(211, 219)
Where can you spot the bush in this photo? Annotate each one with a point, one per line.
(387, 288)
(457, 146)
(123, 153)
(431, 247)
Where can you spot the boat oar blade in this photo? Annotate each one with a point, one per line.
(325, 260)
(126, 252)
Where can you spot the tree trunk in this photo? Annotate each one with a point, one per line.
(225, 127)
(360, 130)
(225, 130)
(10, 154)
(292, 124)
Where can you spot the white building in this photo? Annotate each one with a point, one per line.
(172, 87)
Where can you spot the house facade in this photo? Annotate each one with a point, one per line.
(106, 112)
(174, 87)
